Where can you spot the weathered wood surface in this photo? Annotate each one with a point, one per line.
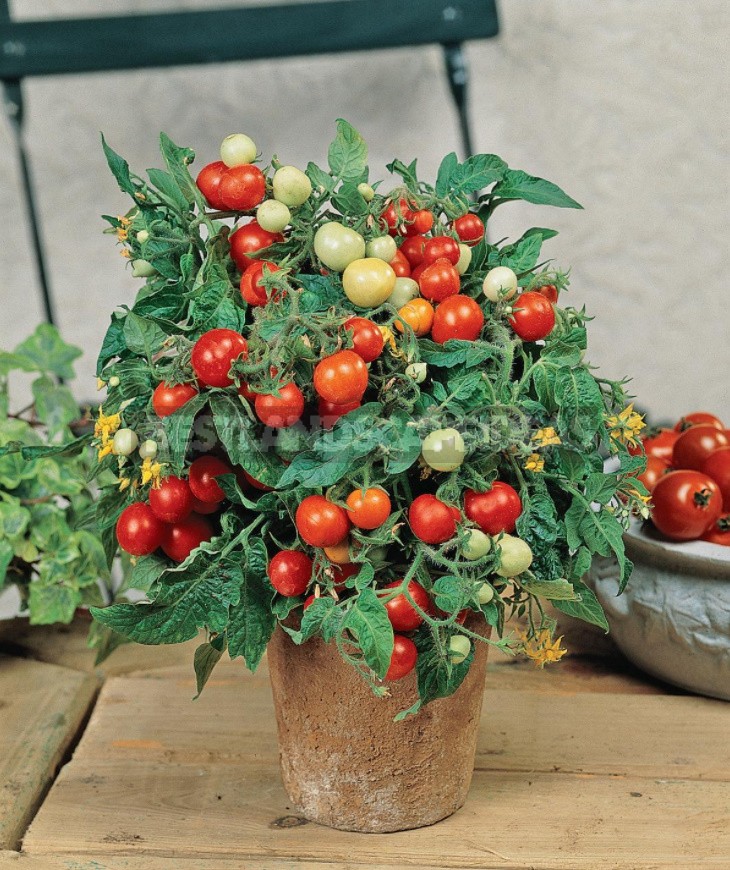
(42, 708)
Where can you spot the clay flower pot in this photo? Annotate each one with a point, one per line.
(344, 761)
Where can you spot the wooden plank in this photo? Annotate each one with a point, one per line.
(159, 776)
(42, 708)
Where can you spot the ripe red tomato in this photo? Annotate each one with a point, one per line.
(308, 600)
(320, 522)
(660, 445)
(403, 659)
(242, 187)
(282, 411)
(209, 180)
(412, 250)
(441, 247)
(139, 531)
(533, 317)
(439, 280)
(686, 503)
(695, 445)
(213, 355)
(698, 418)
(717, 466)
(248, 240)
(180, 539)
(400, 265)
(205, 507)
(401, 613)
(367, 339)
(719, 533)
(549, 291)
(330, 412)
(495, 510)
(655, 469)
(469, 228)
(256, 484)
(368, 509)
(252, 289)
(421, 222)
(341, 378)
(290, 572)
(167, 399)
(340, 573)
(391, 218)
(172, 500)
(202, 478)
(457, 317)
(432, 521)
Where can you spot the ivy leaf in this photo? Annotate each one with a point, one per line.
(348, 153)
(368, 621)
(587, 607)
(517, 184)
(6, 557)
(119, 168)
(52, 603)
(45, 351)
(251, 621)
(54, 405)
(206, 657)
(142, 335)
(177, 428)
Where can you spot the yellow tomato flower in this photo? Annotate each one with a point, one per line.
(626, 425)
(542, 649)
(545, 437)
(151, 472)
(535, 463)
(104, 430)
(123, 483)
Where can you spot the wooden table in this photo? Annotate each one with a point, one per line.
(588, 765)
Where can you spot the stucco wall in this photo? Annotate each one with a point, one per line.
(621, 102)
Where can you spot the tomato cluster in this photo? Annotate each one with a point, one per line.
(688, 476)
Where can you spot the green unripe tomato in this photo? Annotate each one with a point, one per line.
(443, 450)
(417, 372)
(485, 593)
(368, 282)
(291, 186)
(404, 290)
(382, 247)
(464, 261)
(459, 648)
(515, 555)
(114, 381)
(338, 246)
(125, 442)
(143, 269)
(237, 149)
(148, 449)
(500, 283)
(273, 215)
(476, 545)
(365, 191)
(142, 236)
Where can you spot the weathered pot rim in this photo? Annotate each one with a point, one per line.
(697, 558)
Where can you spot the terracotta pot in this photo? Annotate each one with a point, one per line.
(344, 761)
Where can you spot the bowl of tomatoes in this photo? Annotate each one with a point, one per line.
(673, 619)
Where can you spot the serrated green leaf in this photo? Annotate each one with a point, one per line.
(348, 153)
(580, 404)
(517, 184)
(455, 352)
(168, 187)
(206, 657)
(476, 173)
(349, 201)
(119, 168)
(552, 590)
(322, 181)
(368, 621)
(143, 336)
(178, 430)
(447, 168)
(251, 621)
(114, 343)
(177, 161)
(588, 608)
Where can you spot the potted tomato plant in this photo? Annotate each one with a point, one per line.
(361, 435)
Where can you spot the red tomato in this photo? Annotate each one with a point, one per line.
(180, 539)
(242, 187)
(282, 411)
(202, 478)
(441, 247)
(403, 659)
(341, 378)
(367, 339)
(209, 180)
(400, 265)
(695, 445)
(172, 500)
(457, 317)
(660, 445)
(533, 317)
(320, 522)
(719, 533)
(686, 504)
(412, 250)
(549, 291)
(401, 613)
(717, 466)
(391, 218)
(368, 509)
(330, 412)
(308, 600)
(495, 510)
(246, 391)
(698, 418)
(655, 468)
(469, 228)
(290, 572)
(213, 355)
(139, 531)
(205, 507)
(439, 280)
(167, 399)
(432, 521)
(256, 484)
(248, 240)
(421, 222)
(252, 289)
(340, 573)
(418, 271)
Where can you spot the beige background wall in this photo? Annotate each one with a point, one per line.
(622, 102)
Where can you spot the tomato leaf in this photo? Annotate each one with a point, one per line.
(322, 181)
(368, 621)
(580, 404)
(475, 173)
(552, 590)
(119, 168)
(206, 657)
(520, 257)
(447, 168)
(348, 153)
(349, 201)
(177, 428)
(517, 184)
(587, 607)
(455, 352)
(142, 335)
(177, 161)
(251, 621)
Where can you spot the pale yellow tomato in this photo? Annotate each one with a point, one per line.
(338, 246)
(368, 282)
